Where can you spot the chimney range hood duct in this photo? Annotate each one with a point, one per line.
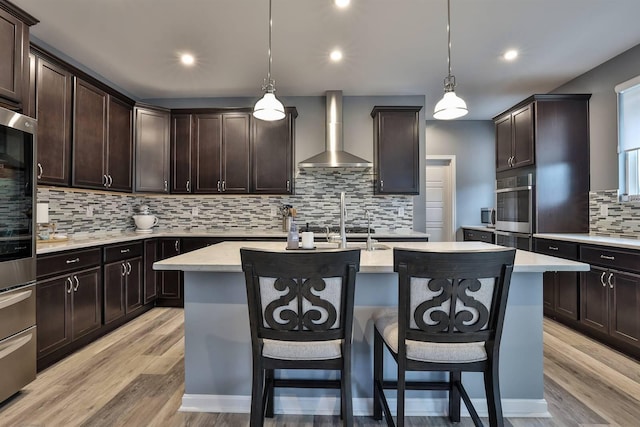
(334, 155)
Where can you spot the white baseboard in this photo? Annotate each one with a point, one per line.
(330, 405)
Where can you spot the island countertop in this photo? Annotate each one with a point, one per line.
(225, 257)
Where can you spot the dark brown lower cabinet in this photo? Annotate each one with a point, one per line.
(560, 293)
(150, 275)
(68, 307)
(170, 285)
(122, 288)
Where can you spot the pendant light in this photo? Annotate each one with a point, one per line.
(268, 107)
(450, 106)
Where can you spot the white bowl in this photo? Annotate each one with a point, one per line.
(145, 222)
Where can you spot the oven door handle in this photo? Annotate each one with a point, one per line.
(506, 190)
(11, 347)
(14, 299)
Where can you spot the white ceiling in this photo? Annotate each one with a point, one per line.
(391, 47)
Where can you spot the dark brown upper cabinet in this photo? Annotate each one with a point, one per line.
(102, 139)
(515, 138)
(273, 155)
(210, 152)
(152, 145)
(396, 150)
(51, 91)
(14, 56)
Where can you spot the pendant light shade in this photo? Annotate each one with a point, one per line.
(451, 106)
(268, 107)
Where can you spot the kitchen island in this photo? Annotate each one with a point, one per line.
(218, 342)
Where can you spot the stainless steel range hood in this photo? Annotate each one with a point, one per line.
(334, 155)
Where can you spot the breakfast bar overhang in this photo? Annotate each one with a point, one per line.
(218, 342)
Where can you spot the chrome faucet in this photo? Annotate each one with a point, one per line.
(343, 214)
(370, 241)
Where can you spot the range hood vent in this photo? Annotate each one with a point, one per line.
(334, 155)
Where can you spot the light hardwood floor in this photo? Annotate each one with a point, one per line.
(134, 377)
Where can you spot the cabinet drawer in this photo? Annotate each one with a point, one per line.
(67, 261)
(124, 251)
(17, 362)
(17, 310)
(478, 236)
(560, 249)
(611, 258)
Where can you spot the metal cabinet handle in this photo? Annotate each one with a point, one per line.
(110, 180)
(609, 280)
(75, 288)
(106, 181)
(125, 251)
(553, 248)
(219, 187)
(40, 171)
(124, 269)
(381, 185)
(188, 186)
(288, 185)
(128, 268)
(72, 261)
(176, 245)
(166, 186)
(604, 273)
(607, 257)
(224, 185)
(70, 285)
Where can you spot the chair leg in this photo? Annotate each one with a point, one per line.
(345, 392)
(492, 388)
(401, 392)
(377, 373)
(454, 396)
(257, 390)
(269, 389)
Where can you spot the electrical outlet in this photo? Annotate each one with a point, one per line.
(400, 212)
(195, 211)
(89, 212)
(273, 212)
(604, 210)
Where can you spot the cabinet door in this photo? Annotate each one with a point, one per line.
(549, 293)
(119, 154)
(89, 136)
(235, 152)
(594, 304)
(170, 281)
(114, 279)
(272, 156)
(180, 153)
(11, 60)
(396, 148)
(152, 144)
(624, 289)
(523, 137)
(503, 142)
(133, 288)
(52, 92)
(207, 143)
(150, 275)
(53, 299)
(86, 307)
(566, 294)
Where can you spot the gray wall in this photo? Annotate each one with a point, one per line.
(600, 82)
(472, 142)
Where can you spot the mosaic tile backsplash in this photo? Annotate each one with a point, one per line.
(622, 219)
(317, 199)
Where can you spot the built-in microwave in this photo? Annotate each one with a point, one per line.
(514, 204)
(488, 216)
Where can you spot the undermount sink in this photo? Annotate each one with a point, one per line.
(352, 245)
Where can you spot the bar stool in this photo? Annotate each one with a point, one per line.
(449, 318)
(301, 317)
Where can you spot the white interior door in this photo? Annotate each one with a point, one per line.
(440, 198)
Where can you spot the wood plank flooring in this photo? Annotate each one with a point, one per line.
(134, 377)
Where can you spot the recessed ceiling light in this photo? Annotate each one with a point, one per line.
(336, 55)
(510, 55)
(342, 3)
(187, 59)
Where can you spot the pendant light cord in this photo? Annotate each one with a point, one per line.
(448, 35)
(270, 25)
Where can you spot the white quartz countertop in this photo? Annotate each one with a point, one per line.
(99, 239)
(616, 242)
(225, 257)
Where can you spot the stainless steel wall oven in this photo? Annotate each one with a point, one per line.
(17, 252)
(515, 211)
